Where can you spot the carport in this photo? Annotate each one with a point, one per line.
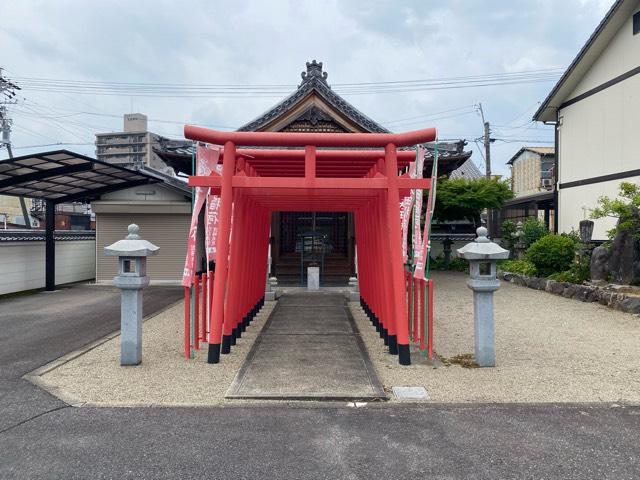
(61, 176)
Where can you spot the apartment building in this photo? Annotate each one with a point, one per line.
(131, 147)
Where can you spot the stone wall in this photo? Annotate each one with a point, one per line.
(623, 298)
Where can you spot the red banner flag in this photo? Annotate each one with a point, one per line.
(206, 162)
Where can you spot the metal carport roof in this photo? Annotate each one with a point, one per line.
(61, 176)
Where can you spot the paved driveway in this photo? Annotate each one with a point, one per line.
(41, 437)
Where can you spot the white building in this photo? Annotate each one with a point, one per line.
(596, 107)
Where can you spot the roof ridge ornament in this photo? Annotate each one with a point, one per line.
(314, 72)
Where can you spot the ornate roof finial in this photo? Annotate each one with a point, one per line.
(314, 72)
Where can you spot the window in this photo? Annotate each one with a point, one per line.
(636, 23)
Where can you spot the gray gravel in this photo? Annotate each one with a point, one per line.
(165, 377)
(549, 349)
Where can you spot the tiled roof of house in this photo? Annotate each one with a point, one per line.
(542, 151)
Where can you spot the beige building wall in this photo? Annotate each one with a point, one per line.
(525, 173)
(163, 216)
(167, 231)
(10, 207)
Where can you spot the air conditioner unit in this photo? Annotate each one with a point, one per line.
(547, 182)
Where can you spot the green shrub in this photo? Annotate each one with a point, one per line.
(507, 234)
(456, 264)
(578, 273)
(533, 230)
(551, 254)
(521, 267)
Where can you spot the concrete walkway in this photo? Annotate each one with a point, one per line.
(310, 348)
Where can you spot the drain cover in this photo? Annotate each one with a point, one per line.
(411, 393)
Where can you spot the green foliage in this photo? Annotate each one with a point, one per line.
(551, 254)
(465, 199)
(456, 264)
(533, 230)
(578, 273)
(625, 209)
(508, 234)
(521, 267)
(573, 235)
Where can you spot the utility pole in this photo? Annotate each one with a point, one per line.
(487, 165)
(487, 143)
(7, 93)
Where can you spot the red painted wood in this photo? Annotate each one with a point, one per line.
(196, 311)
(319, 139)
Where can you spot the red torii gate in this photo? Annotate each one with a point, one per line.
(257, 181)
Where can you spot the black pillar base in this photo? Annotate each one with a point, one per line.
(393, 344)
(404, 356)
(243, 324)
(385, 336)
(234, 335)
(226, 344)
(213, 355)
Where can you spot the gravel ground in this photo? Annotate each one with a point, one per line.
(549, 349)
(163, 378)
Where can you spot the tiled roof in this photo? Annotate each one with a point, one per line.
(176, 152)
(38, 235)
(543, 151)
(467, 170)
(314, 80)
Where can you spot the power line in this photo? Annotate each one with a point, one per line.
(84, 87)
(57, 144)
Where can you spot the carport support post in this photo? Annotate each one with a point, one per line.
(50, 246)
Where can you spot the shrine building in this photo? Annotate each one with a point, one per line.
(315, 108)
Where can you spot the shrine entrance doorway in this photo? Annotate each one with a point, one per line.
(333, 237)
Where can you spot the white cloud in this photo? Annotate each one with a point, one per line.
(258, 42)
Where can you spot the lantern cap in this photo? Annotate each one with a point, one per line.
(132, 246)
(482, 248)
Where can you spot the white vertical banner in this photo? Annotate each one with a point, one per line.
(405, 213)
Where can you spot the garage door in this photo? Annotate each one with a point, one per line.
(169, 232)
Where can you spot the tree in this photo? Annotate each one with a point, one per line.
(465, 199)
(626, 209)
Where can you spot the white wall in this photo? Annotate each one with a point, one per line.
(620, 55)
(599, 134)
(23, 264)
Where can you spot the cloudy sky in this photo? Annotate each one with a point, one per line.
(266, 44)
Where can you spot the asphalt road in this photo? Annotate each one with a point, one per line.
(41, 437)
(38, 328)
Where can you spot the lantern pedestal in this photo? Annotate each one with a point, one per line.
(482, 255)
(132, 253)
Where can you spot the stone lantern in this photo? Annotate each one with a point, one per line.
(482, 255)
(132, 253)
